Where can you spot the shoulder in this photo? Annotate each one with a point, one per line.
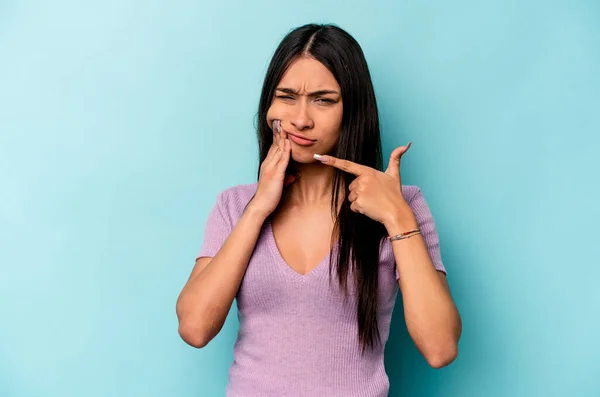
(239, 193)
(234, 200)
(411, 193)
(416, 200)
(230, 205)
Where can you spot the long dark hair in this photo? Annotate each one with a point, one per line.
(360, 142)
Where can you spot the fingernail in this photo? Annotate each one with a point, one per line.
(322, 159)
(277, 125)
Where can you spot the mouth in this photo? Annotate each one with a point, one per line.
(300, 139)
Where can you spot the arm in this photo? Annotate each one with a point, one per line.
(206, 298)
(432, 318)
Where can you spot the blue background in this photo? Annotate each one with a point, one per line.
(120, 121)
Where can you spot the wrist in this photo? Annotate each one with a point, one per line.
(256, 212)
(400, 220)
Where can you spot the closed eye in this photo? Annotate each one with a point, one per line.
(325, 100)
(285, 97)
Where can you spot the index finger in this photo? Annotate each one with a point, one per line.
(344, 165)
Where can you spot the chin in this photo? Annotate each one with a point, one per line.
(303, 159)
(303, 156)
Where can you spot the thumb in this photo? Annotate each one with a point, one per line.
(393, 168)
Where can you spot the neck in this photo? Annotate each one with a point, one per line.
(313, 187)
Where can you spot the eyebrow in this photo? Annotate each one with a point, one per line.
(315, 93)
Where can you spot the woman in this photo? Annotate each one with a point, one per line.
(316, 251)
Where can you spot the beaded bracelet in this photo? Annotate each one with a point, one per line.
(405, 235)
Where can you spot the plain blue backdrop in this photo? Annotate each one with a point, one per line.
(121, 120)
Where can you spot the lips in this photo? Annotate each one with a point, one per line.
(300, 139)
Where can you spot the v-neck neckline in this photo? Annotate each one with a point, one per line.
(275, 250)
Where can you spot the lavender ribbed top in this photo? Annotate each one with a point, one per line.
(297, 335)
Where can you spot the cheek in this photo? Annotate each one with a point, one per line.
(331, 140)
(333, 125)
(334, 121)
(273, 113)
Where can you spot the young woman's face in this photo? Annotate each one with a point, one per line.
(308, 102)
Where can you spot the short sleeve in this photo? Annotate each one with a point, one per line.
(428, 230)
(218, 228)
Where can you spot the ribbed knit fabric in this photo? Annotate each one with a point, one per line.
(297, 335)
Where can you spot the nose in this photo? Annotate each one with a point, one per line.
(301, 117)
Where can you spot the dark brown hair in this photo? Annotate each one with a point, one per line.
(360, 142)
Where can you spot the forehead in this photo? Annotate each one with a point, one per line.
(310, 74)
